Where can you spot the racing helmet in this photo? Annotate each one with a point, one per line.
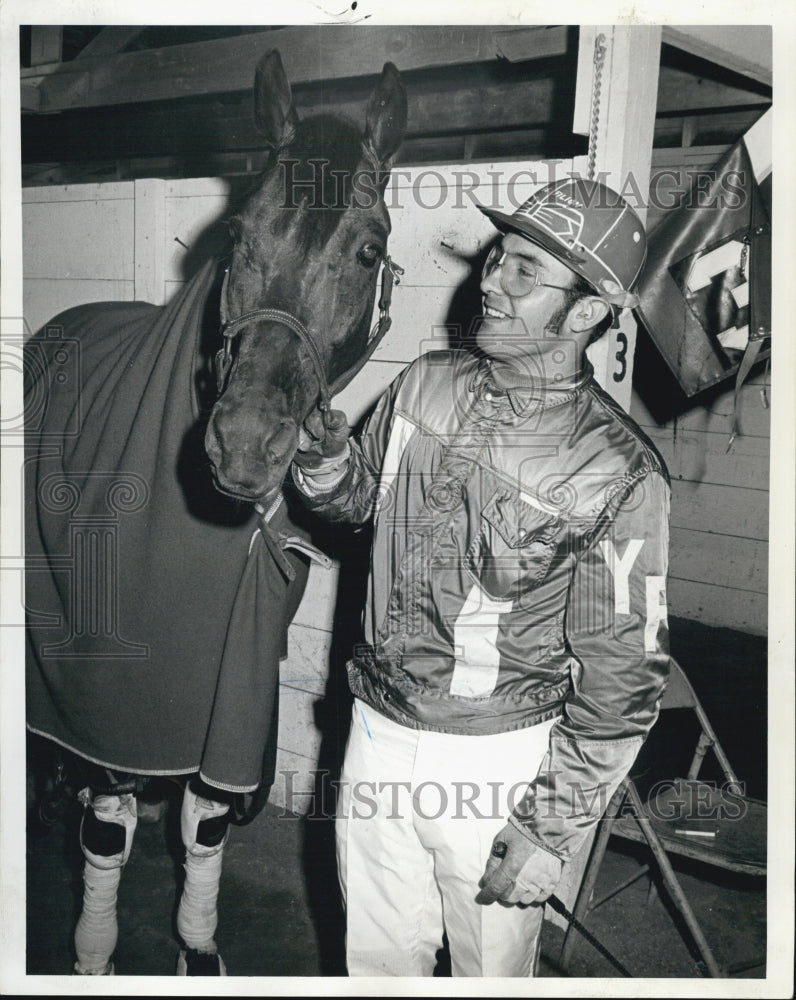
(590, 228)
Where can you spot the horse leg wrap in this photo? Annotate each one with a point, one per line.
(106, 837)
(205, 827)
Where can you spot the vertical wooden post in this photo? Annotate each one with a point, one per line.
(150, 241)
(625, 130)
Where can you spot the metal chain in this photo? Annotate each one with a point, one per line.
(599, 60)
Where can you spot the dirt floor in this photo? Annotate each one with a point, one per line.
(279, 907)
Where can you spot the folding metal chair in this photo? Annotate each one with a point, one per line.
(711, 823)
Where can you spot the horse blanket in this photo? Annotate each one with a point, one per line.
(157, 608)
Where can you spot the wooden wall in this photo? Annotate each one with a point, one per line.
(78, 246)
(142, 239)
(718, 571)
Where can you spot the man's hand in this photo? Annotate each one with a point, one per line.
(323, 443)
(518, 871)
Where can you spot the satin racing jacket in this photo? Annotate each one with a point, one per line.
(518, 573)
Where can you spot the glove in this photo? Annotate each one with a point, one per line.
(518, 870)
(323, 443)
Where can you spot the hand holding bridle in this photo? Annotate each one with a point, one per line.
(323, 442)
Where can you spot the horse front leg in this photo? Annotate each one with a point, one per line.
(205, 827)
(106, 838)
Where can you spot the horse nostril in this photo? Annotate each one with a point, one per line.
(214, 436)
(280, 447)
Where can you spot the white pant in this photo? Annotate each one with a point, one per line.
(417, 814)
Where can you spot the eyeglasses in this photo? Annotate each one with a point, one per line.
(518, 276)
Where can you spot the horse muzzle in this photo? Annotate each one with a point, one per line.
(250, 458)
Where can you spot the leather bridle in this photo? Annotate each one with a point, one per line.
(230, 328)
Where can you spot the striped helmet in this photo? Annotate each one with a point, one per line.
(588, 227)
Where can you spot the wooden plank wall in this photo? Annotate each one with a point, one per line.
(88, 242)
(77, 246)
(718, 571)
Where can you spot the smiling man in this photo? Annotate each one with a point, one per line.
(515, 632)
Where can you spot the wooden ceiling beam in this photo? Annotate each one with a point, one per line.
(518, 143)
(521, 145)
(207, 126)
(518, 44)
(55, 87)
(680, 91)
(685, 130)
(741, 48)
(309, 54)
(111, 40)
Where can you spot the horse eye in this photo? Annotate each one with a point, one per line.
(369, 254)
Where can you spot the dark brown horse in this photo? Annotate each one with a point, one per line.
(308, 244)
(159, 594)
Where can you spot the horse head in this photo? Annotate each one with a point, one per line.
(298, 297)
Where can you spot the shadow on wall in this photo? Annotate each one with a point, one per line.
(660, 391)
(214, 240)
(465, 306)
(332, 713)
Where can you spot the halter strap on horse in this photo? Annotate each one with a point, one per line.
(230, 328)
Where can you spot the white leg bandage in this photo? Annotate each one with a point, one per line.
(205, 828)
(106, 837)
(97, 929)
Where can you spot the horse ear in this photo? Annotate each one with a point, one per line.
(385, 122)
(274, 114)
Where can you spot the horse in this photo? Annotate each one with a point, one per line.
(163, 563)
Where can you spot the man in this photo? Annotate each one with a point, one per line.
(516, 635)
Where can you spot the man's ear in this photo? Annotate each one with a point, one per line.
(586, 313)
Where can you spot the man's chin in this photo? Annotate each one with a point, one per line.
(521, 355)
(501, 339)
(501, 354)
